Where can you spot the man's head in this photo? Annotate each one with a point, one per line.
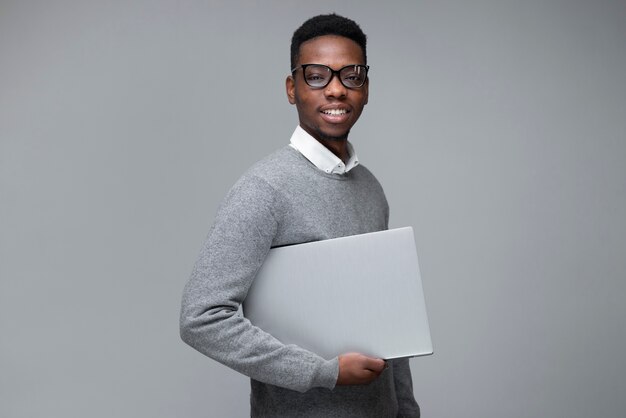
(330, 97)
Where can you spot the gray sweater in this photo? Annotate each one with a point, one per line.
(281, 200)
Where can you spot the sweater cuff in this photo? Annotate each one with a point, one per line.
(328, 374)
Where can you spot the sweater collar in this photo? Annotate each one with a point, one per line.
(321, 156)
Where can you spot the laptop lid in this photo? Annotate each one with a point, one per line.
(360, 293)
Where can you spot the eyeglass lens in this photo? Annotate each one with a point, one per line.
(351, 76)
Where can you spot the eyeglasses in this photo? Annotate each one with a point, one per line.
(318, 76)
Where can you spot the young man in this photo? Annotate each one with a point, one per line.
(311, 190)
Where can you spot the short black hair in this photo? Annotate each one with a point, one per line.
(330, 24)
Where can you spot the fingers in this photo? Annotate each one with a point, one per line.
(374, 364)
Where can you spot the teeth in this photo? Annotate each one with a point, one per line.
(335, 112)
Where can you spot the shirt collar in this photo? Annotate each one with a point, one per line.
(321, 156)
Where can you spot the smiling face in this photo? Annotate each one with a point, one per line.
(327, 113)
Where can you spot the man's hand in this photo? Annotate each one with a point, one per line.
(357, 369)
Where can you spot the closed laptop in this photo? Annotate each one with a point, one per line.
(360, 293)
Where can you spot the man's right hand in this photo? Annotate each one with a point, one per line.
(357, 369)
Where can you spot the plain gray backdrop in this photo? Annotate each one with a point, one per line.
(498, 129)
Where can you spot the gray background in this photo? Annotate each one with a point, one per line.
(496, 127)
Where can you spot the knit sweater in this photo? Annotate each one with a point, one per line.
(282, 200)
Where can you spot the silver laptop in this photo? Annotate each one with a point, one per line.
(361, 293)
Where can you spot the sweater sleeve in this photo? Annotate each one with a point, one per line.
(232, 253)
(407, 406)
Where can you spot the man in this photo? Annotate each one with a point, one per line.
(312, 190)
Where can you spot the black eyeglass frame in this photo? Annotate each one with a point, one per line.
(332, 74)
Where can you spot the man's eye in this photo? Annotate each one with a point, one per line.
(353, 77)
(314, 77)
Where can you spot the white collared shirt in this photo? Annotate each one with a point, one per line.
(321, 156)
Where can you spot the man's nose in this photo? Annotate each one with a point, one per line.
(335, 88)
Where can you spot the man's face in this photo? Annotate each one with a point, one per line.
(327, 113)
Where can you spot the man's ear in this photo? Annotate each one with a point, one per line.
(290, 87)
